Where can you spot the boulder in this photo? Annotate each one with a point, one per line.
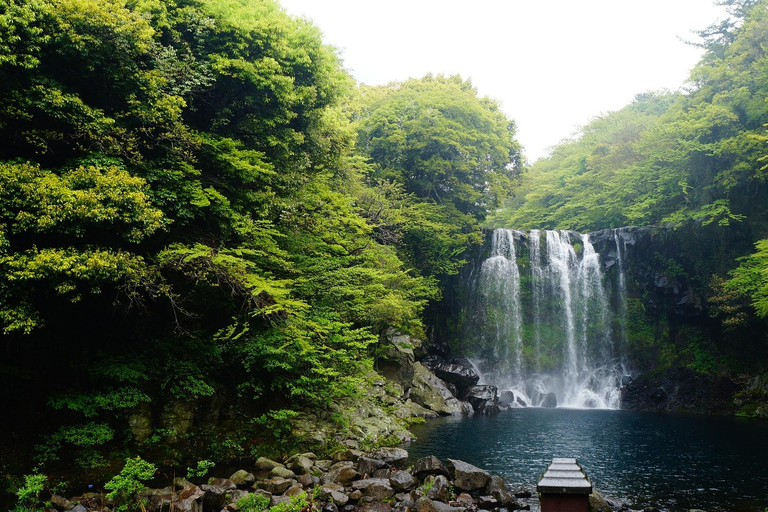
(391, 455)
(432, 393)
(362, 485)
(487, 502)
(549, 401)
(341, 473)
(484, 399)
(439, 488)
(498, 490)
(242, 478)
(339, 498)
(429, 465)
(597, 503)
(301, 465)
(458, 372)
(275, 485)
(367, 466)
(379, 490)
(282, 472)
(308, 481)
(396, 361)
(265, 464)
(402, 481)
(467, 477)
(217, 496)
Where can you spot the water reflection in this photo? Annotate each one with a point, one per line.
(649, 459)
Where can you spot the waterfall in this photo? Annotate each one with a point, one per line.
(550, 333)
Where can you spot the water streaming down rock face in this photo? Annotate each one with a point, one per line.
(552, 331)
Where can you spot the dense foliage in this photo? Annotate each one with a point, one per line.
(188, 236)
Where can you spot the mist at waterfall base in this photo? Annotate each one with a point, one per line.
(543, 317)
(672, 462)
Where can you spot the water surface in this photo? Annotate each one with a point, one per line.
(669, 461)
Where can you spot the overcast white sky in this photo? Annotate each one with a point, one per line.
(553, 64)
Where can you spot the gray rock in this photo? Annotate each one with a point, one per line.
(402, 481)
(279, 500)
(265, 464)
(391, 455)
(341, 473)
(465, 500)
(457, 372)
(466, 476)
(293, 490)
(379, 491)
(356, 495)
(550, 401)
(301, 465)
(396, 361)
(327, 489)
(330, 507)
(375, 506)
(282, 472)
(308, 481)
(242, 478)
(444, 507)
(487, 502)
(429, 465)
(339, 498)
(347, 455)
(483, 398)
(275, 485)
(79, 508)
(440, 489)
(432, 393)
(362, 485)
(366, 465)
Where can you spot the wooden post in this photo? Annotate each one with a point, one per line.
(564, 487)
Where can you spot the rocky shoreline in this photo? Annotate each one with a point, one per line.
(352, 481)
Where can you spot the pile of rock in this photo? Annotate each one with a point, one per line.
(353, 481)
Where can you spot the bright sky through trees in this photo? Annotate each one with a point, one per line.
(553, 65)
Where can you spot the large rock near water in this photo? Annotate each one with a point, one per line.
(396, 361)
(432, 393)
(467, 477)
(458, 372)
(429, 465)
(549, 401)
(484, 399)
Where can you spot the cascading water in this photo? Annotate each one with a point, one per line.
(551, 332)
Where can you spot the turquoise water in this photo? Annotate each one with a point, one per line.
(668, 461)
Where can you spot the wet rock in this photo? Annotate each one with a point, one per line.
(391, 455)
(242, 478)
(466, 476)
(330, 507)
(402, 481)
(367, 466)
(506, 398)
(459, 372)
(429, 465)
(499, 491)
(483, 398)
(222, 482)
(549, 401)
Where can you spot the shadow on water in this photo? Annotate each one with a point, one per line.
(669, 461)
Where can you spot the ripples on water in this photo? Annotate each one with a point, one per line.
(674, 462)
